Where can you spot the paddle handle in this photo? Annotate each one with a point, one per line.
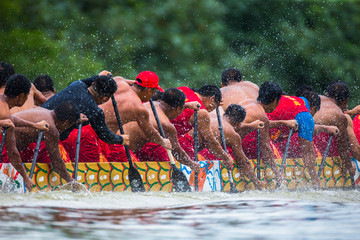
(286, 151)
(232, 185)
(78, 140)
(36, 154)
(116, 110)
(258, 155)
(325, 155)
(196, 175)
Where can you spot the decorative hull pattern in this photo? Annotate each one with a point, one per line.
(156, 176)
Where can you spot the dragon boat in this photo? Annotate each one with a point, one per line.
(113, 176)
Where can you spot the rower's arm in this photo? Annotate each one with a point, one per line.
(333, 130)
(51, 140)
(178, 152)
(18, 122)
(143, 120)
(278, 123)
(344, 150)
(39, 98)
(210, 142)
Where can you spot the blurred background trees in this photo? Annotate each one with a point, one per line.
(185, 42)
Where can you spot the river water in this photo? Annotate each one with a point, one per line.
(323, 214)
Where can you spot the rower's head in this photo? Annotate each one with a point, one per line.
(269, 96)
(147, 83)
(17, 90)
(68, 113)
(210, 96)
(340, 92)
(230, 75)
(236, 114)
(6, 71)
(104, 87)
(44, 84)
(313, 98)
(175, 99)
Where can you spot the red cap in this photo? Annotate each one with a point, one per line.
(149, 80)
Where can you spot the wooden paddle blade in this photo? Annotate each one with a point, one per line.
(136, 182)
(179, 180)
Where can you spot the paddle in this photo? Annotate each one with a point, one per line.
(36, 154)
(325, 155)
(285, 155)
(136, 182)
(77, 152)
(196, 176)
(178, 178)
(3, 141)
(232, 185)
(258, 155)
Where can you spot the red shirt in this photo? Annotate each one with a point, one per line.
(181, 122)
(288, 108)
(356, 123)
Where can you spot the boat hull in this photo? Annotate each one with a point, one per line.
(113, 176)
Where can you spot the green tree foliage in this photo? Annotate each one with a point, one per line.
(185, 42)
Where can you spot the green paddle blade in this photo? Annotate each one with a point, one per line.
(136, 182)
(179, 180)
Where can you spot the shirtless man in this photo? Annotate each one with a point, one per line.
(209, 97)
(16, 92)
(45, 85)
(130, 101)
(333, 105)
(62, 117)
(170, 105)
(231, 122)
(234, 89)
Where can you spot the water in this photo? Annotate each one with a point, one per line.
(324, 214)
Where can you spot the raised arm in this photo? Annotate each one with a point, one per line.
(39, 98)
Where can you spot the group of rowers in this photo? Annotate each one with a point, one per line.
(28, 108)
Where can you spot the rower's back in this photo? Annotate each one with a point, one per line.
(234, 89)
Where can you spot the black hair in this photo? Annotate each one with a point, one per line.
(16, 85)
(174, 97)
(209, 91)
(44, 83)
(236, 113)
(339, 91)
(6, 71)
(229, 75)
(105, 86)
(310, 95)
(268, 92)
(67, 111)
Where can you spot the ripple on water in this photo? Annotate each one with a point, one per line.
(322, 214)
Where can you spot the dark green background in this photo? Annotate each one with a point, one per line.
(187, 42)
